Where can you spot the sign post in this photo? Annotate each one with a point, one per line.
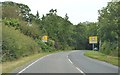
(92, 40)
(93, 46)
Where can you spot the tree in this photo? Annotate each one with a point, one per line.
(37, 15)
(25, 11)
(66, 17)
(55, 27)
(108, 27)
(52, 11)
(10, 10)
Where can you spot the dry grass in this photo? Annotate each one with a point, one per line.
(9, 66)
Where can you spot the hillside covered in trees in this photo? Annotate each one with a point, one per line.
(22, 31)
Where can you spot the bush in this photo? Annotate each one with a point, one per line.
(16, 44)
(32, 31)
(46, 47)
(109, 48)
(50, 43)
(12, 22)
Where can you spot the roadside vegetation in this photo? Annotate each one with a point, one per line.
(9, 66)
(108, 32)
(103, 57)
(22, 32)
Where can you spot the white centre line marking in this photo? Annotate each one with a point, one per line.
(76, 67)
(70, 61)
(79, 70)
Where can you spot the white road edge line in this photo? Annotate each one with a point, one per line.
(76, 67)
(33, 63)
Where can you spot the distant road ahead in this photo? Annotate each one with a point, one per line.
(68, 62)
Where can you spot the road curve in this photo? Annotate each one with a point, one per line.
(53, 63)
(68, 62)
(89, 65)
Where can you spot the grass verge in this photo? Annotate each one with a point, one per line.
(100, 56)
(7, 67)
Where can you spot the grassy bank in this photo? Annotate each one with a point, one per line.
(9, 66)
(100, 56)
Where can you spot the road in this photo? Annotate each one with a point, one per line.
(68, 62)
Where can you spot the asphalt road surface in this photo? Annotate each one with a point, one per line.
(68, 62)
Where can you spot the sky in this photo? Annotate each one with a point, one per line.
(77, 10)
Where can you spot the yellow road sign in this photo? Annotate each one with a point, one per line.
(92, 39)
(45, 38)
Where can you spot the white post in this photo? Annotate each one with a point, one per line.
(99, 44)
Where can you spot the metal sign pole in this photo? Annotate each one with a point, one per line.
(93, 46)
